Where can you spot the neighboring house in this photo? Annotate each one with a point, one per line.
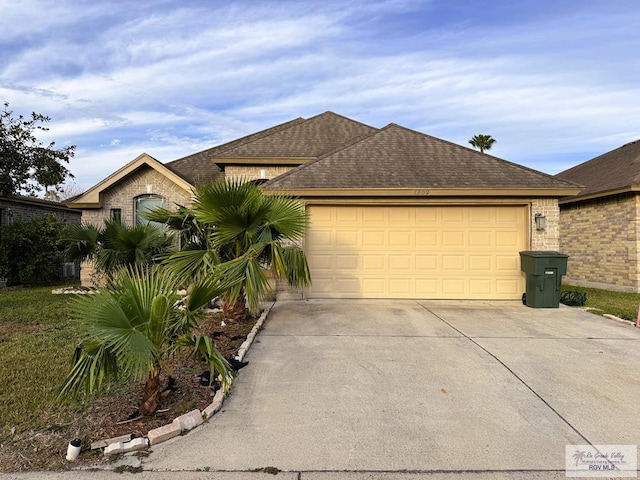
(28, 209)
(393, 213)
(600, 227)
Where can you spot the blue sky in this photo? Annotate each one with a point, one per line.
(556, 82)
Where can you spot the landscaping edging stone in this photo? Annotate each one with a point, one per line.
(190, 420)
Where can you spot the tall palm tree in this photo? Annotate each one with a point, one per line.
(236, 232)
(132, 327)
(482, 142)
(115, 245)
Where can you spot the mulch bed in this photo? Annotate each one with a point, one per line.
(115, 413)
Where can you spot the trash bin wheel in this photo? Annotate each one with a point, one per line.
(524, 298)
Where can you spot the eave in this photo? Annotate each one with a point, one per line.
(606, 193)
(427, 192)
(223, 161)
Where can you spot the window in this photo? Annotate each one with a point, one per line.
(143, 204)
(116, 215)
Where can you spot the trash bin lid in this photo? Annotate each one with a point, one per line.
(543, 254)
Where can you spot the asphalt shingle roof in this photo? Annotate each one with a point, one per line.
(307, 139)
(200, 167)
(615, 170)
(397, 157)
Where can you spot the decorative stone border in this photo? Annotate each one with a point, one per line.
(185, 422)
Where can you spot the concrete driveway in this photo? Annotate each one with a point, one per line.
(421, 386)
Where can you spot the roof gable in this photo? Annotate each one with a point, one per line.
(612, 172)
(303, 140)
(399, 158)
(91, 198)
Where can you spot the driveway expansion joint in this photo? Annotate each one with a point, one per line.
(515, 375)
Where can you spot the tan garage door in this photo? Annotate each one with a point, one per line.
(466, 252)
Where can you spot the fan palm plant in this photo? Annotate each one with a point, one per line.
(132, 328)
(115, 245)
(237, 233)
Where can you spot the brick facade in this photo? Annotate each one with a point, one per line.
(122, 196)
(601, 237)
(549, 238)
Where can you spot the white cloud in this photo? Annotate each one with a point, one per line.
(558, 83)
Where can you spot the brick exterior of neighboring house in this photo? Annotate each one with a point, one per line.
(28, 209)
(602, 238)
(600, 227)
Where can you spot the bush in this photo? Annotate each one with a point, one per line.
(31, 253)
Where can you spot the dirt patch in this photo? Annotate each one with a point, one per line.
(11, 330)
(115, 413)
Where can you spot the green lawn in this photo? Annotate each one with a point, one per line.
(37, 340)
(623, 305)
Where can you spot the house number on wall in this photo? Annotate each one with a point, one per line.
(421, 191)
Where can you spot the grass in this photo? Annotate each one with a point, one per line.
(622, 305)
(37, 340)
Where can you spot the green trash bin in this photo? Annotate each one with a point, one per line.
(544, 271)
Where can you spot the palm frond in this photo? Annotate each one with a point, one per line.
(296, 265)
(95, 368)
(82, 241)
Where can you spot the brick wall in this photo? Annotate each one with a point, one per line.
(601, 238)
(548, 239)
(254, 173)
(27, 210)
(122, 196)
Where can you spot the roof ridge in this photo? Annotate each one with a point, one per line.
(330, 112)
(304, 120)
(317, 159)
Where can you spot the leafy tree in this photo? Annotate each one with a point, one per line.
(31, 252)
(115, 245)
(236, 232)
(26, 165)
(482, 142)
(133, 327)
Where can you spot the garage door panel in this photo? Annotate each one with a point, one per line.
(453, 239)
(507, 239)
(416, 252)
(322, 262)
(481, 239)
(480, 287)
(481, 264)
(400, 239)
(347, 262)
(373, 262)
(427, 239)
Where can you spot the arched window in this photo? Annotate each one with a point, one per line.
(143, 204)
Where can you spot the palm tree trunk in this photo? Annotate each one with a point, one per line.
(235, 309)
(150, 394)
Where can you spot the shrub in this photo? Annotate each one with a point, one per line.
(31, 253)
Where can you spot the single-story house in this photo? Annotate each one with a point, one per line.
(600, 226)
(394, 213)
